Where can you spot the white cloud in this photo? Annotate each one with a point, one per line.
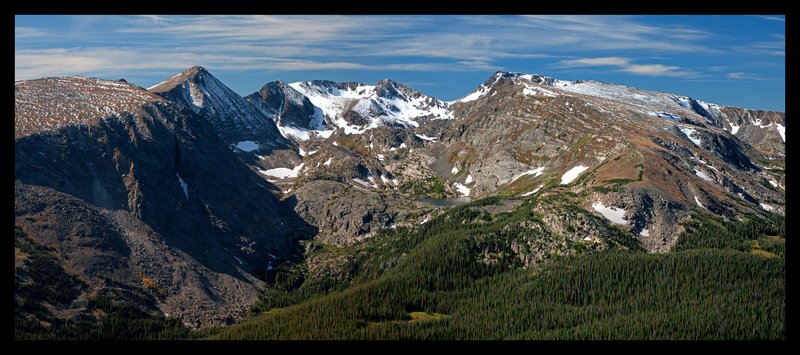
(774, 18)
(613, 61)
(736, 75)
(742, 76)
(626, 65)
(22, 32)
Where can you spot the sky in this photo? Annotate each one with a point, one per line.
(732, 60)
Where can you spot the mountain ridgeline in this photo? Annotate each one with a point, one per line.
(325, 210)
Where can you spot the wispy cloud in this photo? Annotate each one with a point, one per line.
(773, 18)
(129, 44)
(35, 63)
(626, 65)
(21, 32)
(743, 76)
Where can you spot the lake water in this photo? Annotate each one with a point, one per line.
(446, 202)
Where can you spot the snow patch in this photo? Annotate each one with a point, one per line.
(454, 170)
(613, 214)
(535, 172)
(371, 183)
(782, 131)
(773, 183)
(690, 133)
(424, 137)
(468, 180)
(478, 93)
(298, 133)
(666, 115)
(697, 201)
(247, 146)
(184, 186)
(196, 94)
(702, 175)
(239, 260)
(463, 190)
(532, 192)
(283, 173)
(766, 207)
(328, 162)
(573, 173)
(645, 232)
(335, 143)
(533, 91)
(734, 128)
(684, 101)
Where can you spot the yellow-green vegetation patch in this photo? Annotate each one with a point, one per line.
(19, 254)
(414, 317)
(763, 253)
(425, 316)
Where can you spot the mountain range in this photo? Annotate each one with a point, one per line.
(187, 200)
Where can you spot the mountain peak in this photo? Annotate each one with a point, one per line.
(233, 117)
(194, 71)
(190, 74)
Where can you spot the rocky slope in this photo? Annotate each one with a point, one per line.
(650, 156)
(128, 150)
(231, 116)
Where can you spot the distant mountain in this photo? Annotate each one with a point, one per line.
(350, 106)
(763, 129)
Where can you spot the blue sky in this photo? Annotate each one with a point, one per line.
(732, 60)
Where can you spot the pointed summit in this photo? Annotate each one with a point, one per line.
(287, 107)
(231, 115)
(193, 73)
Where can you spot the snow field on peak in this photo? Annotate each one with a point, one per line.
(402, 109)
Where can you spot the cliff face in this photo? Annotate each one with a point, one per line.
(165, 167)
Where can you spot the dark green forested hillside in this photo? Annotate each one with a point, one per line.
(725, 280)
(462, 276)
